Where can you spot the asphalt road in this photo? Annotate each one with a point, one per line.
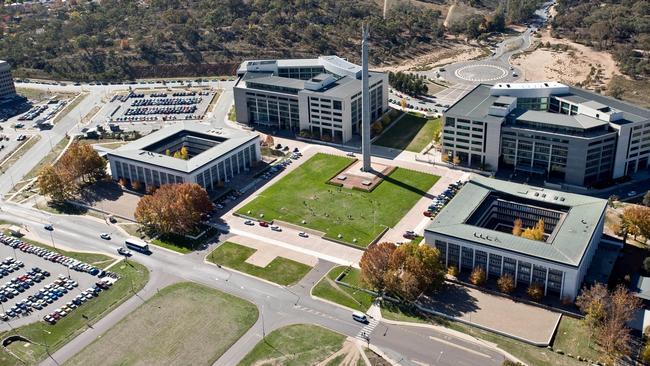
(279, 306)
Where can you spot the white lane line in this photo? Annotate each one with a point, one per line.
(460, 347)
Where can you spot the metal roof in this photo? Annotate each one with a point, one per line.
(136, 150)
(571, 237)
(578, 121)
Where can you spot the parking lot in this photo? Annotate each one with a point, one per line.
(43, 285)
(159, 105)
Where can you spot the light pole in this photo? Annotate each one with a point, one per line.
(295, 294)
(52, 239)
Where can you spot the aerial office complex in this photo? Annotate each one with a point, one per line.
(549, 130)
(214, 156)
(475, 230)
(321, 96)
(7, 89)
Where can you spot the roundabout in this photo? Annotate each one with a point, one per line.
(481, 72)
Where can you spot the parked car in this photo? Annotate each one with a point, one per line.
(303, 234)
(276, 228)
(264, 224)
(105, 236)
(249, 222)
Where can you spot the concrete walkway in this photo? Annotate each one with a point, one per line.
(266, 252)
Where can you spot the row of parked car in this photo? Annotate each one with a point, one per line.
(33, 113)
(443, 198)
(41, 299)
(160, 110)
(9, 265)
(80, 299)
(166, 101)
(21, 283)
(71, 263)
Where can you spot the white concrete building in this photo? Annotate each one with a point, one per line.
(321, 96)
(215, 156)
(475, 230)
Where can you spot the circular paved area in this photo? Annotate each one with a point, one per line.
(481, 72)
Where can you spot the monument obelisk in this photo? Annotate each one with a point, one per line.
(365, 103)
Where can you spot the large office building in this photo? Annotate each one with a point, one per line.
(7, 89)
(549, 130)
(475, 230)
(321, 96)
(214, 156)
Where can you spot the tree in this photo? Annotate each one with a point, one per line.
(168, 153)
(645, 354)
(173, 208)
(375, 263)
(478, 276)
(452, 271)
(536, 232)
(414, 269)
(137, 185)
(607, 314)
(535, 291)
(456, 160)
(184, 154)
(636, 221)
(56, 184)
(506, 284)
(403, 103)
(617, 92)
(516, 227)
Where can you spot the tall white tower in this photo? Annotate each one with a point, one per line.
(365, 103)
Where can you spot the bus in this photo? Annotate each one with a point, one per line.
(137, 245)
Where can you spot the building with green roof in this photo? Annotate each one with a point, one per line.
(476, 230)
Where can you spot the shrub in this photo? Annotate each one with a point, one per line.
(506, 284)
(645, 354)
(326, 138)
(535, 291)
(478, 276)
(452, 271)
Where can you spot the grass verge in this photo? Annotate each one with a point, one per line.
(298, 344)
(527, 353)
(185, 323)
(281, 270)
(183, 244)
(304, 194)
(133, 278)
(19, 151)
(327, 289)
(48, 159)
(411, 133)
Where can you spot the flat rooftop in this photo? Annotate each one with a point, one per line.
(575, 219)
(204, 142)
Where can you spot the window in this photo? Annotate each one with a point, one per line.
(336, 104)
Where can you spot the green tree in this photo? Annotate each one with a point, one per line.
(374, 264)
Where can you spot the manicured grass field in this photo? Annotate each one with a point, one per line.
(304, 195)
(183, 244)
(281, 270)
(411, 133)
(572, 336)
(527, 353)
(298, 344)
(327, 289)
(183, 324)
(133, 278)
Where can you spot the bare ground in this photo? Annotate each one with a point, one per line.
(446, 53)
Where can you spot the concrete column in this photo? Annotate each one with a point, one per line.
(546, 282)
(446, 254)
(365, 101)
(516, 270)
(562, 286)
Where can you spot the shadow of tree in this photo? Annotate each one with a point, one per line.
(104, 190)
(452, 299)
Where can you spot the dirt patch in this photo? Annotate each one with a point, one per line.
(446, 53)
(567, 62)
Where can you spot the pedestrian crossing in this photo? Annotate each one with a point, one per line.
(367, 329)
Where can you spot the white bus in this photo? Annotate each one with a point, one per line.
(137, 245)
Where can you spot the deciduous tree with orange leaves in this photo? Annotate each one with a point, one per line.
(173, 208)
(375, 262)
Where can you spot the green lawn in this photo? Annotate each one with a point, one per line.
(304, 195)
(327, 289)
(133, 278)
(527, 353)
(295, 345)
(181, 243)
(96, 259)
(572, 336)
(411, 133)
(184, 323)
(281, 270)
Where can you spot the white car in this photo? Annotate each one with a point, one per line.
(105, 236)
(249, 223)
(276, 228)
(303, 234)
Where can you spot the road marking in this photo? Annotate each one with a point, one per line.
(460, 347)
(367, 329)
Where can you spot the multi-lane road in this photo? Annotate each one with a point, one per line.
(410, 345)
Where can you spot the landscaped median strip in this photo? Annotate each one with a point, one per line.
(280, 270)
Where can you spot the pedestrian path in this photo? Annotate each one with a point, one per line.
(366, 331)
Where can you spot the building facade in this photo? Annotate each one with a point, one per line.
(320, 96)
(475, 230)
(549, 130)
(7, 88)
(215, 156)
